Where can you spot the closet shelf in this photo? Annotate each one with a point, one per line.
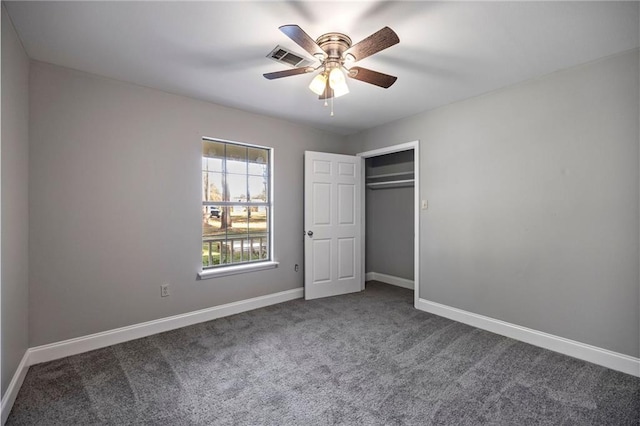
(391, 184)
(389, 175)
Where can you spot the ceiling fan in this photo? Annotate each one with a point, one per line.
(336, 53)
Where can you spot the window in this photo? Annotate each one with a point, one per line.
(236, 204)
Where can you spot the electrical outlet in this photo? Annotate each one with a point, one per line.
(296, 268)
(164, 290)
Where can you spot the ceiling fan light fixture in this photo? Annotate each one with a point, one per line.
(340, 89)
(318, 84)
(338, 83)
(336, 78)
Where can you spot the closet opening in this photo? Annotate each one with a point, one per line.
(390, 217)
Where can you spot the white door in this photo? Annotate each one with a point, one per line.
(332, 214)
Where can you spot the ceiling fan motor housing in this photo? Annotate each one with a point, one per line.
(334, 45)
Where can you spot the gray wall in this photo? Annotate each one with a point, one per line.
(115, 193)
(15, 208)
(534, 202)
(390, 219)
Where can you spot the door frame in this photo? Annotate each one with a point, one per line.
(408, 146)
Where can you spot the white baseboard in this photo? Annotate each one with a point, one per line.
(389, 279)
(119, 335)
(14, 387)
(606, 358)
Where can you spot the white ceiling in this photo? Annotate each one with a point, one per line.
(216, 51)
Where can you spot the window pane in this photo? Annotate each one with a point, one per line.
(236, 159)
(258, 162)
(258, 189)
(210, 253)
(213, 156)
(212, 186)
(235, 246)
(206, 261)
(212, 225)
(259, 247)
(237, 187)
(237, 250)
(259, 232)
(214, 164)
(238, 217)
(226, 252)
(258, 220)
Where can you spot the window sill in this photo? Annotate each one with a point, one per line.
(239, 269)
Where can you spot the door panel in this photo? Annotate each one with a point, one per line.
(322, 204)
(346, 258)
(322, 167)
(346, 204)
(333, 238)
(346, 169)
(321, 261)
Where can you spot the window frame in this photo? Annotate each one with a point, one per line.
(252, 265)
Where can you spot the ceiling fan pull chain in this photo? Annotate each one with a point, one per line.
(331, 106)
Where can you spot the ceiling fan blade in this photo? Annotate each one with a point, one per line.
(303, 40)
(287, 73)
(372, 77)
(376, 42)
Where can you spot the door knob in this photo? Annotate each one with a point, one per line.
(310, 233)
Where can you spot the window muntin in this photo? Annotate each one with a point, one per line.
(236, 204)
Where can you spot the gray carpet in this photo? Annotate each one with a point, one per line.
(365, 359)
